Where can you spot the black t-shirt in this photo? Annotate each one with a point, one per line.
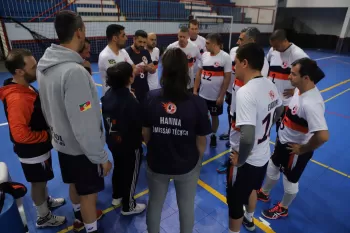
(140, 84)
(172, 148)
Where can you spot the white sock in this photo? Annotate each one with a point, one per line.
(249, 216)
(42, 210)
(229, 231)
(76, 207)
(91, 227)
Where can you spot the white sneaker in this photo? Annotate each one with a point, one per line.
(139, 208)
(54, 203)
(50, 220)
(117, 202)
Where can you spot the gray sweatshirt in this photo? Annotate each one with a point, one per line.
(70, 104)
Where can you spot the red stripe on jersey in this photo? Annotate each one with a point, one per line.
(213, 73)
(238, 83)
(280, 76)
(294, 126)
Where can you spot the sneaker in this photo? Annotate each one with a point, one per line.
(213, 141)
(224, 137)
(139, 208)
(116, 202)
(79, 225)
(50, 220)
(250, 226)
(222, 169)
(54, 203)
(262, 196)
(275, 212)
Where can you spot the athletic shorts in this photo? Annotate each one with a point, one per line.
(240, 184)
(79, 170)
(291, 165)
(278, 122)
(38, 172)
(228, 98)
(214, 109)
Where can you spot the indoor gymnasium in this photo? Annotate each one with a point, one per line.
(320, 28)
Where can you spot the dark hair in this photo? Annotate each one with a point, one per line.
(118, 76)
(183, 29)
(193, 22)
(251, 32)
(87, 41)
(113, 30)
(278, 35)
(15, 59)
(215, 37)
(175, 76)
(66, 24)
(309, 68)
(253, 53)
(141, 33)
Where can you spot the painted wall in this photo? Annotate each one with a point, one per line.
(318, 3)
(270, 3)
(324, 21)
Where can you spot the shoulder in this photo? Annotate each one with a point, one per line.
(127, 50)
(172, 45)
(233, 51)
(224, 55)
(298, 52)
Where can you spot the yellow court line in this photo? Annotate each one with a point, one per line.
(222, 198)
(335, 85)
(335, 96)
(97, 84)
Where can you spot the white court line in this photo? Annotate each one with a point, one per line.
(3, 124)
(324, 58)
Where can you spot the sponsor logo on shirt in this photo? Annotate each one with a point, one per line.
(85, 106)
(112, 61)
(145, 60)
(170, 107)
(272, 95)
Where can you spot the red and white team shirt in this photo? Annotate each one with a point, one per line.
(213, 71)
(153, 80)
(257, 101)
(193, 54)
(200, 42)
(303, 117)
(280, 68)
(108, 58)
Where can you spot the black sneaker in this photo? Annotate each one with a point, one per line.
(262, 196)
(224, 136)
(250, 226)
(275, 212)
(213, 141)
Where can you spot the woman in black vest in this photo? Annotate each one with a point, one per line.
(123, 124)
(175, 125)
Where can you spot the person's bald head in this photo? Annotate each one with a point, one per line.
(151, 40)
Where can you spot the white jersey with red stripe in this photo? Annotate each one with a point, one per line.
(256, 104)
(304, 116)
(280, 67)
(108, 58)
(213, 71)
(200, 42)
(153, 80)
(193, 54)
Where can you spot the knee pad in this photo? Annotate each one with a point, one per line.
(289, 187)
(273, 172)
(4, 174)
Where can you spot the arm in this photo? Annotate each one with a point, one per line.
(246, 143)
(86, 124)
(19, 116)
(197, 81)
(279, 111)
(203, 125)
(150, 68)
(317, 140)
(201, 142)
(146, 133)
(224, 87)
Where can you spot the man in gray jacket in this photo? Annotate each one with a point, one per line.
(71, 107)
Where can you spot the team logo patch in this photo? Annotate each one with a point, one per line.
(112, 61)
(216, 64)
(170, 107)
(85, 106)
(272, 95)
(295, 110)
(285, 64)
(189, 56)
(144, 59)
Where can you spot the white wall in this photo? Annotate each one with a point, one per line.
(318, 3)
(327, 21)
(270, 3)
(96, 29)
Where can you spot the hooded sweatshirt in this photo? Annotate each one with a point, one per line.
(28, 129)
(70, 104)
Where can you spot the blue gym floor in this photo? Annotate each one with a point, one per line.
(319, 207)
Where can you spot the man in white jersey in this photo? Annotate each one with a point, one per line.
(196, 39)
(302, 130)
(114, 52)
(280, 57)
(153, 79)
(213, 77)
(248, 35)
(258, 106)
(190, 49)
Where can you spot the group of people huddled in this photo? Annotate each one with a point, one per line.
(169, 115)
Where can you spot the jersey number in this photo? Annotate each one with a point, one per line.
(207, 76)
(267, 121)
